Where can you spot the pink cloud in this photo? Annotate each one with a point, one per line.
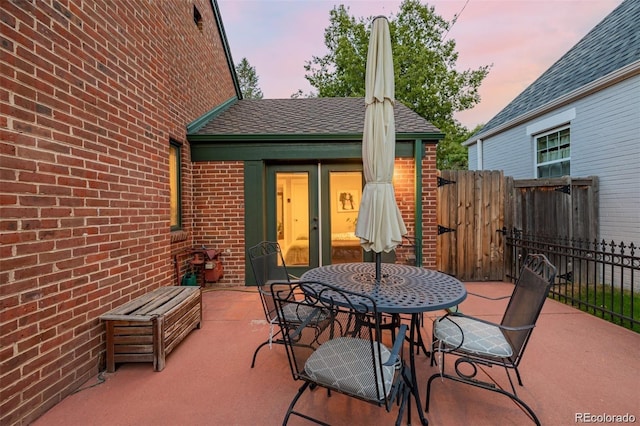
(521, 38)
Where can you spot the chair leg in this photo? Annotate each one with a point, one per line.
(518, 376)
(290, 411)
(255, 354)
(482, 385)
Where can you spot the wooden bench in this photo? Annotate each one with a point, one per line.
(149, 327)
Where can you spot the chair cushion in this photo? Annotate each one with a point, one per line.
(296, 313)
(345, 363)
(479, 338)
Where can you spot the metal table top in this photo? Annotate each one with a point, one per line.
(402, 288)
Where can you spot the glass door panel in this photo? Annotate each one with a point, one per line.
(345, 190)
(312, 212)
(292, 217)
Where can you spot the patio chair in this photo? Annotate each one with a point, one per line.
(267, 263)
(477, 342)
(348, 356)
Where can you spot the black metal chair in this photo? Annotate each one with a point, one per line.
(347, 356)
(267, 263)
(477, 342)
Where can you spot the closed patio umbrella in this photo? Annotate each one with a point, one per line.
(380, 226)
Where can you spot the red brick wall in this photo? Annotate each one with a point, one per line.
(429, 208)
(218, 205)
(404, 187)
(91, 93)
(404, 177)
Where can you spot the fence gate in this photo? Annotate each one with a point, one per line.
(470, 217)
(565, 207)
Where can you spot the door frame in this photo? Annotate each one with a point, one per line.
(271, 199)
(319, 205)
(325, 205)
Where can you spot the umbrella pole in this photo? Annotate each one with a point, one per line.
(378, 266)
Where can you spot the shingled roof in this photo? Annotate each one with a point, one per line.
(611, 45)
(307, 116)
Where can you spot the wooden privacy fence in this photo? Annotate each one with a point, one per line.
(476, 208)
(471, 206)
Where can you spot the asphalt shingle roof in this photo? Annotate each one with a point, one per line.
(306, 116)
(609, 46)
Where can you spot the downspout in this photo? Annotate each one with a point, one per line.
(417, 155)
(479, 152)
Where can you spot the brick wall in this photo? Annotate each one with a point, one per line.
(404, 186)
(91, 93)
(218, 205)
(429, 208)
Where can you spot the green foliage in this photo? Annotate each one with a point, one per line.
(427, 80)
(248, 80)
(450, 154)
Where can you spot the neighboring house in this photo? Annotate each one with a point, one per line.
(124, 142)
(580, 118)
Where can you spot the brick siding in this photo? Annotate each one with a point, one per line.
(218, 205)
(91, 93)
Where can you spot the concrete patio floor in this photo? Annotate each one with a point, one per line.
(575, 363)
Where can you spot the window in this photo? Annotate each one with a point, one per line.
(553, 153)
(197, 17)
(175, 187)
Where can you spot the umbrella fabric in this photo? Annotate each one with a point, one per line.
(380, 226)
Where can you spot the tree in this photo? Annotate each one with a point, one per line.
(424, 63)
(450, 154)
(248, 80)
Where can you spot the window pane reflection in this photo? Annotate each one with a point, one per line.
(292, 213)
(345, 190)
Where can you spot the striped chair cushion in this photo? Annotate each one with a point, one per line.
(345, 363)
(479, 338)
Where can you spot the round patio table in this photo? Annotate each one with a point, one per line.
(402, 289)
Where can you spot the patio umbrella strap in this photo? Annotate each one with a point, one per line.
(149, 327)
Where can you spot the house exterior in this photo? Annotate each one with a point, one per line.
(580, 118)
(94, 97)
(125, 143)
(295, 158)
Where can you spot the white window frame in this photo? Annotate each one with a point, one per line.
(561, 153)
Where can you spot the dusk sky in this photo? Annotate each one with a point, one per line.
(521, 38)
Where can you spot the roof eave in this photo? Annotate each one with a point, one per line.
(427, 136)
(610, 79)
(201, 121)
(226, 48)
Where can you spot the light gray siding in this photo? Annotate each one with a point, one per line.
(606, 134)
(605, 142)
(510, 151)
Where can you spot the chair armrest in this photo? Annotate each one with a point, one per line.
(457, 309)
(397, 346)
(502, 327)
(487, 297)
(314, 314)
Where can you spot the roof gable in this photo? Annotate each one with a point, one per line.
(611, 45)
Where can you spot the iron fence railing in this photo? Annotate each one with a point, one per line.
(599, 277)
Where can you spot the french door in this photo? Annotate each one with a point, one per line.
(312, 211)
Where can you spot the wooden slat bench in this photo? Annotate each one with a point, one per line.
(148, 328)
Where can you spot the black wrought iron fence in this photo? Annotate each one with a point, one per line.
(599, 277)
